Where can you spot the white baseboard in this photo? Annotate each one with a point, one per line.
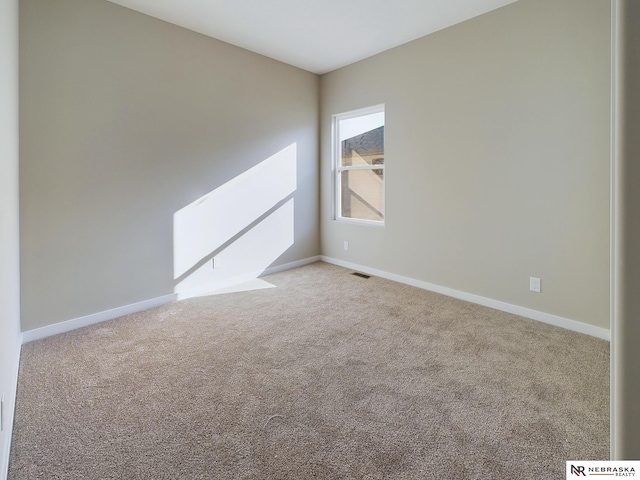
(10, 406)
(66, 326)
(290, 265)
(230, 282)
(566, 323)
(49, 330)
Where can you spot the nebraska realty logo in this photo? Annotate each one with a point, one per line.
(577, 468)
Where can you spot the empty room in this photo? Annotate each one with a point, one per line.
(285, 239)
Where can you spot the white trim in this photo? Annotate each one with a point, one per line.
(337, 168)
(612, 224)
(291, 265)
(68, 325)
(360, 221)
(10, 414)
(566, 323)
(360, 112)
(361, 167)
(209, 288)
(230, 282)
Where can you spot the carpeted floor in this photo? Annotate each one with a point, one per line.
(326, 376)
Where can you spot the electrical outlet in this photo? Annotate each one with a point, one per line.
(534, 284)
(346, 245)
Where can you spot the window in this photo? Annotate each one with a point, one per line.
(358, 162)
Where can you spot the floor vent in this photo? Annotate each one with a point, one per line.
(361, 275)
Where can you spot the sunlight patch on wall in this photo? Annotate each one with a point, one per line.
(245, 224)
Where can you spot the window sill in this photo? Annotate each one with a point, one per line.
(357, 221)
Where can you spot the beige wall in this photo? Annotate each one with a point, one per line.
(625, 391)
(9, 268)
(497, 157)
(126, 120)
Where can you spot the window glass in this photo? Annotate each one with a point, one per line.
(359, 165)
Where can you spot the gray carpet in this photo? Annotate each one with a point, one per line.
(325, 376)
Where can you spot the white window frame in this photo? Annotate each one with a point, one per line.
(337, 168)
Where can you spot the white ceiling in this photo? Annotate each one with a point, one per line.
(315, 35)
